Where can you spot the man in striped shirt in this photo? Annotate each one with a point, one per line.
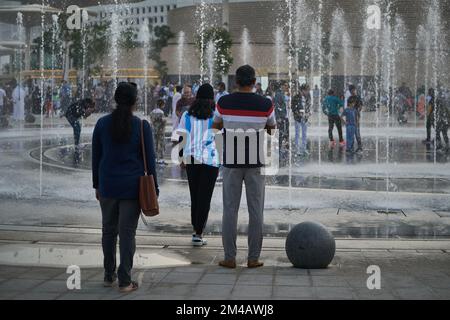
(244, 116)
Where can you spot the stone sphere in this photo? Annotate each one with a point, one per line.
(309, 245)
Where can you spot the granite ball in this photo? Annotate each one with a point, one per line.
(309, 245)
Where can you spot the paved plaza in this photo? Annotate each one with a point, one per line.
(410, 269)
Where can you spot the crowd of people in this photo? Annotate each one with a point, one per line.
(200, 115)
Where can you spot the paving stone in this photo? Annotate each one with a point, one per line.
(328, 281)
(42, 273)
(263, 270)
(400, 281)
(249, 292)
(255, 279)
(19, 284)
(76, 296)
(219, 279)
(293, 292)
(189, 269)
(51, 286)
(182, 277)
(415, 293)
(366, 294)
(334, 293)
(442, 294)
(167, 289)
(294, 280)
(292, 271)
(37, 296)
(203, 291)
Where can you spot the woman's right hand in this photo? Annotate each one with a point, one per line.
(182, 165)
(97, 195)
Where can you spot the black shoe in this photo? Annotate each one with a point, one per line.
(109, 281)
(359, 149)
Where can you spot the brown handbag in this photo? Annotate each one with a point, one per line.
(148, 199)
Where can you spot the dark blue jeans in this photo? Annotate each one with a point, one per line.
(351, 135)
(76, 125)
(119, 218)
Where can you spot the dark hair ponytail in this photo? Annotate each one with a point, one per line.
(125, 97)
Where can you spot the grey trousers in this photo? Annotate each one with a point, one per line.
(232, 191)
(119, 217)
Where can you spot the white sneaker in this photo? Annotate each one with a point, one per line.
(198, 242)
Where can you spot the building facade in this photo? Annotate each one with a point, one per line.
(262, 18)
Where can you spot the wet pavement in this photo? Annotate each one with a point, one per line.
(406, 196)
(168, 268)
(409, 161)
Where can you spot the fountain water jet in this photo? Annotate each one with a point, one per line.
(279, 50)
(245, 47)
(180, 53)
(145, 39)
(210, 51)
(114, 54)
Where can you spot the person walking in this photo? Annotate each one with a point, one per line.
(430, 114)
(282, 118)
(358, 108)
(332, 107)
(442, 123)
(200, 158)
(99, 96)
(248, 114)
(18, 98)
(80, 109)
(2, 101)
(176, 98)
(301, 109)
(65, 94)
(158, 122)
(349, 117)
(117, 165)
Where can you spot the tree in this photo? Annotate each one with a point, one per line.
(96, 45)
(162, 35)
(222, 41)
(127, 39)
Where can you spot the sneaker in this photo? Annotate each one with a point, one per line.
(252, 264)
(342, 144)
(332, 144)
(133, 286)
(198, 241)
(230, 264)
(359, 149)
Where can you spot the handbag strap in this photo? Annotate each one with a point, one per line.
(144, 155)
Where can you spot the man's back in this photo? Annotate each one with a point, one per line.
(244, 116)
(332, 104)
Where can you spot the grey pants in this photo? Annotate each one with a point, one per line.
(232, 191)
(119, 217)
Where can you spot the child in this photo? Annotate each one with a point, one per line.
(159, 126)
(332, 106)
(349, 119)
(442, 124)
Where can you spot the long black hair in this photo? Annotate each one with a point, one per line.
(125, 97)
(202, 108)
